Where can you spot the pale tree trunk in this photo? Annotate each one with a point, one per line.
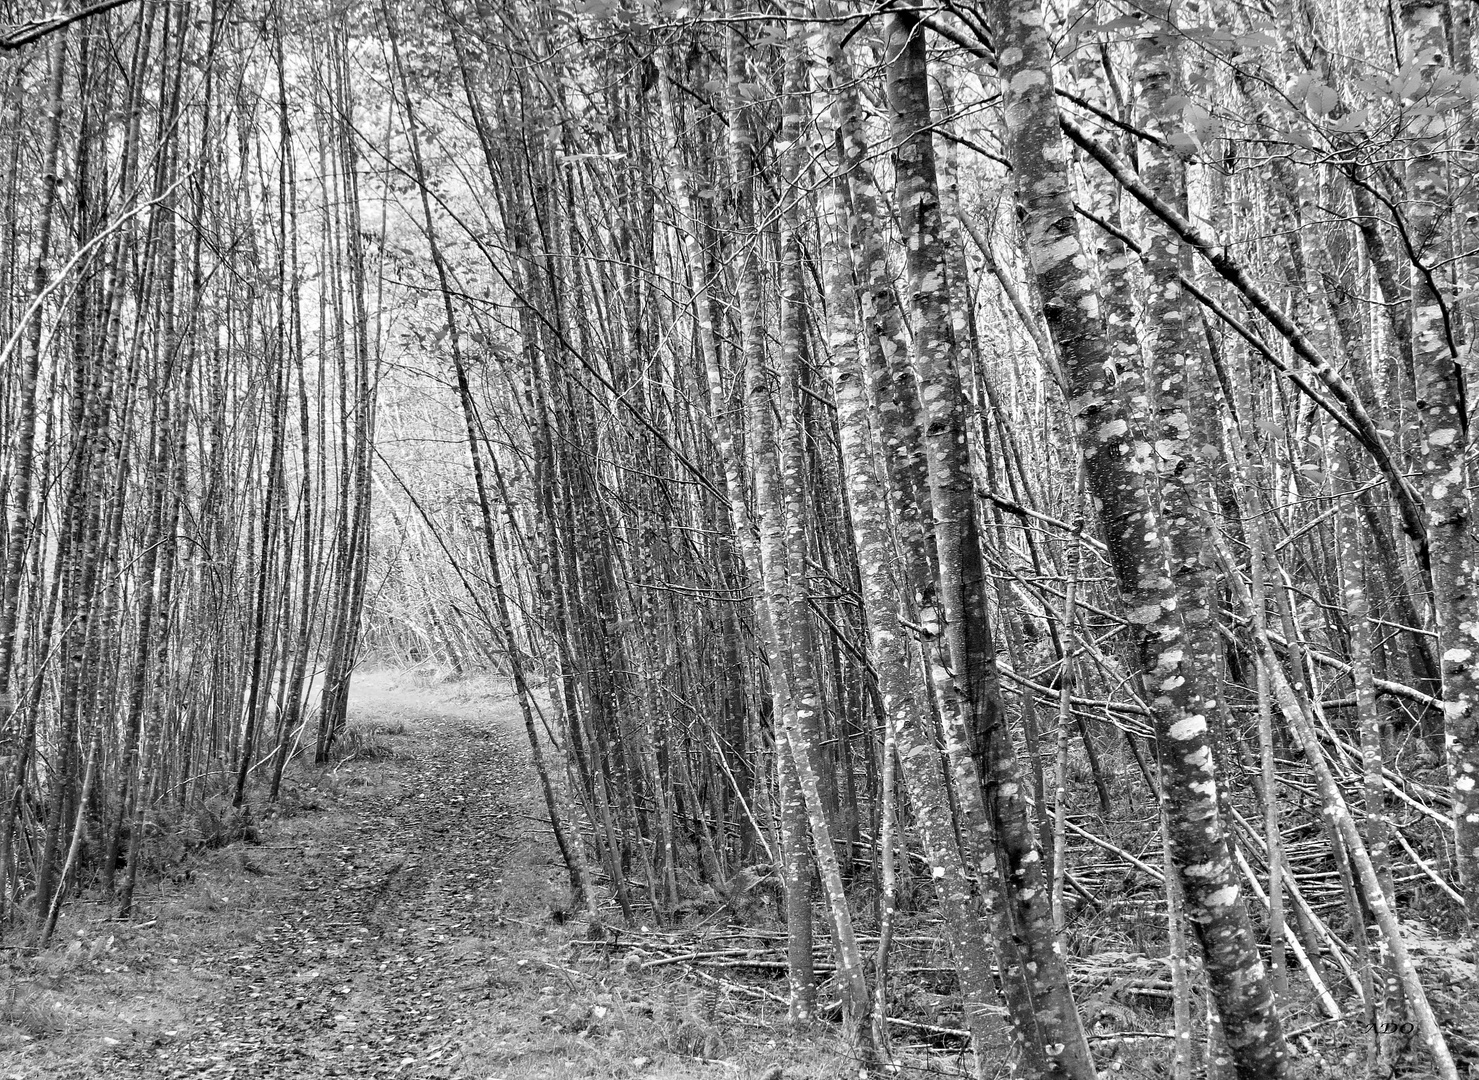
(137, 749)
(1116, 468)
(1186, 405)
(1442, 453)
(1181, 1060)
(22, 453)
(795, 865)
(290, 717)
(1338, 813)
(356, 421)
(894, 653)
(1352, 556)
(1252, 505)
(179, 337)
(1059, 873)
(1044, 1014)
(786, 581)
(768, 551)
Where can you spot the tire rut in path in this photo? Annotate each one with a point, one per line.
(378, 940)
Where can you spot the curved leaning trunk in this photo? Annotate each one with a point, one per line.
(1001, 836)
(1133, 531)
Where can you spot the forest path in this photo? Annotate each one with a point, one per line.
(389, 907)
(394, 923)
(372, 933)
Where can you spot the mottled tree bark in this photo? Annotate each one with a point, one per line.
(779, 462)
(795, 865)
(1338, 814)
(1135, 536)
(22, 453)
(965, 673)
(894, 651)
(1443, 449)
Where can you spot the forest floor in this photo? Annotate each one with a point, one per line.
(395, 918)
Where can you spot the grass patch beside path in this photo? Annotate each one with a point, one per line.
(105, 983)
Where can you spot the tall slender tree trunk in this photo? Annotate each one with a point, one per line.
(1443, 455)
(894, 652)
(22, 453)
(966, 674)
(1135, 535)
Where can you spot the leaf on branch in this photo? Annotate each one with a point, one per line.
(1352, 121)
(1124, 22)
(1321, 99)
(1257, 39)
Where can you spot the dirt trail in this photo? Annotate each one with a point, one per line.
(369, 964)
(394, 922)
(378, 909)
(363, 973)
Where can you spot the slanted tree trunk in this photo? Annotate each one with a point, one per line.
(894, 650)
(966, 676)
(1135, 535)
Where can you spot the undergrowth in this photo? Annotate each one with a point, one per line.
(562, 998)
